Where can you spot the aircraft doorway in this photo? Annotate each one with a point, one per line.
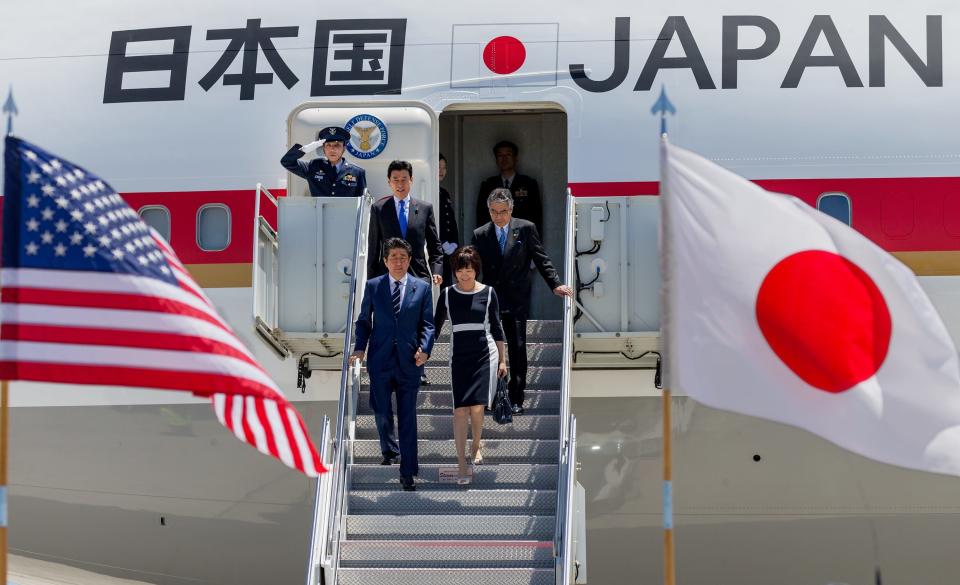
(467, 135)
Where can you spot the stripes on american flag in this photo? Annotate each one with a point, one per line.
(69, 316)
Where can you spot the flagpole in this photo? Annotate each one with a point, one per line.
(4, 435)
(669, 561)
(669, 554)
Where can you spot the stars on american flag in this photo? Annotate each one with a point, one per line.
(74, 220)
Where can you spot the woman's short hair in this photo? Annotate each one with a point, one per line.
(466, 257)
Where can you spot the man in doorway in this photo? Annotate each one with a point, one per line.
(331, 175)
(449, 231)
(507, 246)
(401, 216)
(396, 320)
(523, 188)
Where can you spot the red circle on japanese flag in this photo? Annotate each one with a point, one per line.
(504, 55)
(825, 318)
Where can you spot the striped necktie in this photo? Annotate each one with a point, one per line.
(502, 238)
(396, 297)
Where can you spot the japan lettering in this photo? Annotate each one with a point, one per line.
(350, 57)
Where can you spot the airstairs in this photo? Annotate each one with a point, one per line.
(515, 524)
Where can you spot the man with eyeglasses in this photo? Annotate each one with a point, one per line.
(507, 245)
(401, 216)
(330, 175)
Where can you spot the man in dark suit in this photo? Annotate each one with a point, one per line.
(331, 175)
(396, 320)
(507, 245)
(401, 216)
(524, 189)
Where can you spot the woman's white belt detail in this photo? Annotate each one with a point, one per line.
(468, 327)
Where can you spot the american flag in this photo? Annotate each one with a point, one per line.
(92, 295)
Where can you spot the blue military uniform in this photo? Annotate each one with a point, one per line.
(326, 180)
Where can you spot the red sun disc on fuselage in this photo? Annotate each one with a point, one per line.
(504, 55)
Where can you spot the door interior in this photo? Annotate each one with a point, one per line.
(468, 133)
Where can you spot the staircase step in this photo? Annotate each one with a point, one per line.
(448, 553)
(440, 374)
(456, 500)
(500, 476)
(437, 398)
(445, 527)
(443, 576)
(440, 426)
(495, 451)
(537, 353)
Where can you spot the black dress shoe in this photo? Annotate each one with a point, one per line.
(516, 409)
(389, 459)
(424, 381)
(408, 484)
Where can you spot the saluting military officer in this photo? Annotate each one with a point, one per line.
(331, 175)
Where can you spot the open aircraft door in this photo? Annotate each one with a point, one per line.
(321, 241)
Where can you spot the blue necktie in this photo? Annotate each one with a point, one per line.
(502, 238)
(396, 297)
(403, 218)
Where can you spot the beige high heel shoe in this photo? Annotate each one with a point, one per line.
(478, 456)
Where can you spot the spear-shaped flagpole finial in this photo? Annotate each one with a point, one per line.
(10, 109)
(663, 107)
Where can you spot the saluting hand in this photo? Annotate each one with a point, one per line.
(420, 358)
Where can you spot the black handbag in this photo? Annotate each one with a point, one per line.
(501, 403)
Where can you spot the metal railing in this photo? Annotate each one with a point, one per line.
(341, 444)
(266, 274)
(320, 509)
(562, 540)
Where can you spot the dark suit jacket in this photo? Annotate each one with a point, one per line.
(323, 178)
(509, 274)
(449, 232)
(421, 230)
(393, 340)
(526, 199)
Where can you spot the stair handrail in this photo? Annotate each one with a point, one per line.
(565, 559)
(566, 458)
(320, 509)
(349, 387)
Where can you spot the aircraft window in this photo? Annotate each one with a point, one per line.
(157, 217)
(898, 214)
(836, 205)
(213, 227)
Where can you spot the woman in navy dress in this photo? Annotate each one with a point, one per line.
(476, 352)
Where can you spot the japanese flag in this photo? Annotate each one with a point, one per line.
(504, 55)
(777, 310)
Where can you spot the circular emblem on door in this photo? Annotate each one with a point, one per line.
(368, 136)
